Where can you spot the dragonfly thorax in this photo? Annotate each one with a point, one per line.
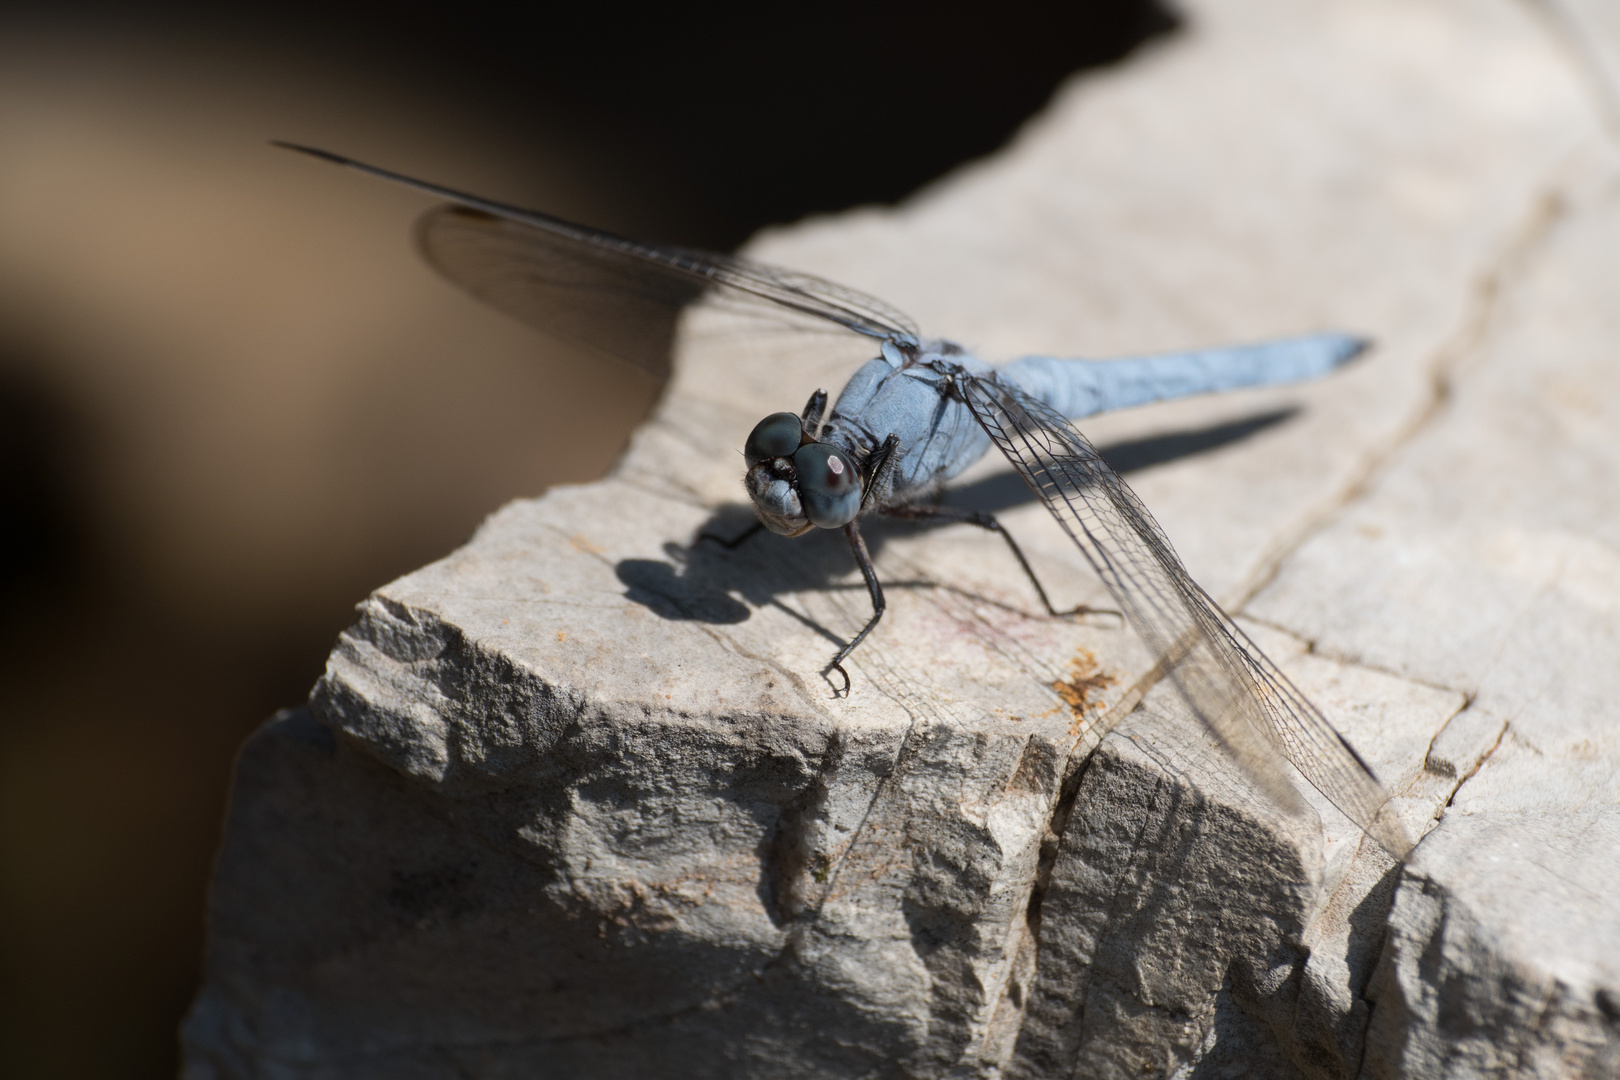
(797, 483)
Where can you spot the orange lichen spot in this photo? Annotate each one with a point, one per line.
(1085, 683)
(561, 636)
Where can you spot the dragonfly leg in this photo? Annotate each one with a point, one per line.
(813, 411)
(878, 467)
(733, 543)
(989, 522)
(864, 561)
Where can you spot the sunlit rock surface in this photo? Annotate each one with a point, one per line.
(575, 801)
(1504, 951)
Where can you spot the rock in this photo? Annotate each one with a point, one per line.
(1503, 956)
(573, 801)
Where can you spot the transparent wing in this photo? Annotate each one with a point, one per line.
(605, 292)
(585, 295)
(1257, 715)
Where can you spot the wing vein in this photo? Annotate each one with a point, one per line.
(1248, 705)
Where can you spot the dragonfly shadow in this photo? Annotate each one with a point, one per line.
(666, 592)
(702, 581)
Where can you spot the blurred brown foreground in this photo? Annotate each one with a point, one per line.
(231, 403)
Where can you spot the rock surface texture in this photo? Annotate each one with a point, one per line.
(574, 801)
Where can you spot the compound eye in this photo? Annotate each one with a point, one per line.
(778, 435)
(829, 485)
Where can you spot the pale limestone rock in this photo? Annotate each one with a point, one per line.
(1503, 956)
(573, 801)
(1505, 944)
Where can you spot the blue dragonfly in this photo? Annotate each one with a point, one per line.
(916, 415)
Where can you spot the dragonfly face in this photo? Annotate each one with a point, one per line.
(797, 483)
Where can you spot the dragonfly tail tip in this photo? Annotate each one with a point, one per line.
(1350, 346)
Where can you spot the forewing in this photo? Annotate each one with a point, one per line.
(582, 294)
(1251, 708)
(618, 296)
(603, 291)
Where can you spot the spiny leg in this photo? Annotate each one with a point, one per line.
(853, 533)
(814, 409)
(988, 521)
(878, 467)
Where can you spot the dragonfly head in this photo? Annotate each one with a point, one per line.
(797, 483)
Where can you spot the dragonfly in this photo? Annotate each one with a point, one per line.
(916, 415)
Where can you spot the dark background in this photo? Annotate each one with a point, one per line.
(231, 403)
